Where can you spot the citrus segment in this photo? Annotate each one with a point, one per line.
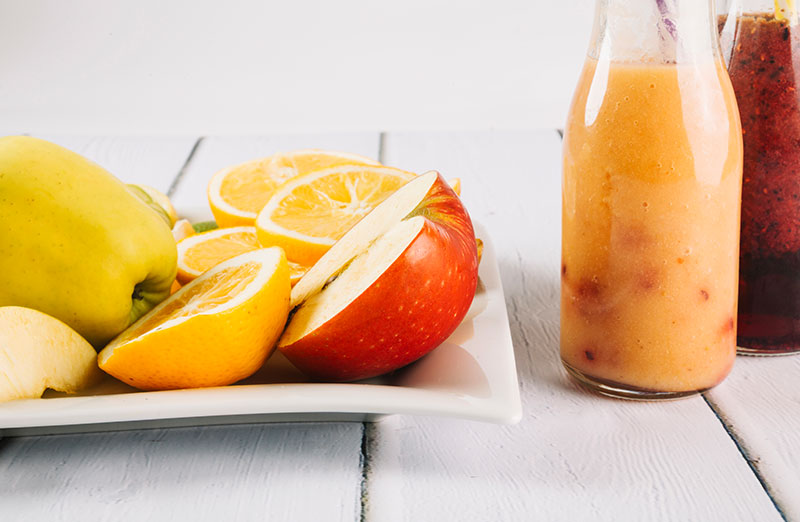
(214, 331)
(308, 213)
(236, 194)
(200, 252)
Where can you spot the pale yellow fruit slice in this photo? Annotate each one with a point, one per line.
(307, 214)
(157, 200)
(237, 194)
(39, 352)
(200, 252)
(216, 330)
(182, 229)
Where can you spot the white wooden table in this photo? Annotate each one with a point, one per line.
(730, 455)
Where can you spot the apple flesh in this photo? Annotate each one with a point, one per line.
(38, 352)
(390, 290)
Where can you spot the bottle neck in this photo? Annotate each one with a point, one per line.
(780, 9)
(748, 6)
(655, 31)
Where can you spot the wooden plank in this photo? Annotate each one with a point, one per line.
(210, 473)
(575, 455)
(218, 473)
(760, 405)
(145, 160)
(215, 153)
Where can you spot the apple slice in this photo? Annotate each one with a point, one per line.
(38, 352)
(390, 290)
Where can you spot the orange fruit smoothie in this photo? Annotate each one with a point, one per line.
(650, 237)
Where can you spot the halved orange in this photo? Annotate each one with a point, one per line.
(214, 331)
(307, 214)
(200, 252)
(236, 194)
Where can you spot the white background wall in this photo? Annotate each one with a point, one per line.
(237, 67)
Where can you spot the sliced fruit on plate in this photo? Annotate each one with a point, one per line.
(38, 351)
(199, 252)
(236, 194)
(204, 226)
(157, 200)
(391, 290)
(214, 331)
(182, 229)
(455, 184)
(308, 214)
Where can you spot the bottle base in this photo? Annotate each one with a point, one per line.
(624, 391)
(751, 351)
(768, 334)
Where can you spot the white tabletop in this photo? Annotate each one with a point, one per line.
(731, 454)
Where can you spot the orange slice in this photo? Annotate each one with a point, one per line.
(236, 194)
(214, 331)
(199, 252)
(307, 214)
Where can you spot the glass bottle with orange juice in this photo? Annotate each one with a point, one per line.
(651, 201)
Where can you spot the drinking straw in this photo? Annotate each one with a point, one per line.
(665, 8)
(786, 10)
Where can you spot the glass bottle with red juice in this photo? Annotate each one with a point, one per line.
(761, 45)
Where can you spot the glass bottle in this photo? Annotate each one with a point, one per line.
(761, 44)
(650, 205)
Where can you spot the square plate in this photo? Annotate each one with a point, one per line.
(472, 375)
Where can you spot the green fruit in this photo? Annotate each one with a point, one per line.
(205, 226)
(75, 243)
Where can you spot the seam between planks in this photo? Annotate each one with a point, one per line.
(742, 447)
(175, 182)
(381, 146)
(368, 438)
(368, 429)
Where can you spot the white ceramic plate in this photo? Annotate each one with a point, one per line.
(472, 375)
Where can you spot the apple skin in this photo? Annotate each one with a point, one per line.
(75, 243)
(410, 309)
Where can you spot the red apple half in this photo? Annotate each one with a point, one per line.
(392, 289)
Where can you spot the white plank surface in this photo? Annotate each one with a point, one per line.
(760, 403)
(261, 472)
(145, 160)
(215, 153)
(242, 66)
(574, 456)
(305, 473)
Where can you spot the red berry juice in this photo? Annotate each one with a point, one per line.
(764, 65)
